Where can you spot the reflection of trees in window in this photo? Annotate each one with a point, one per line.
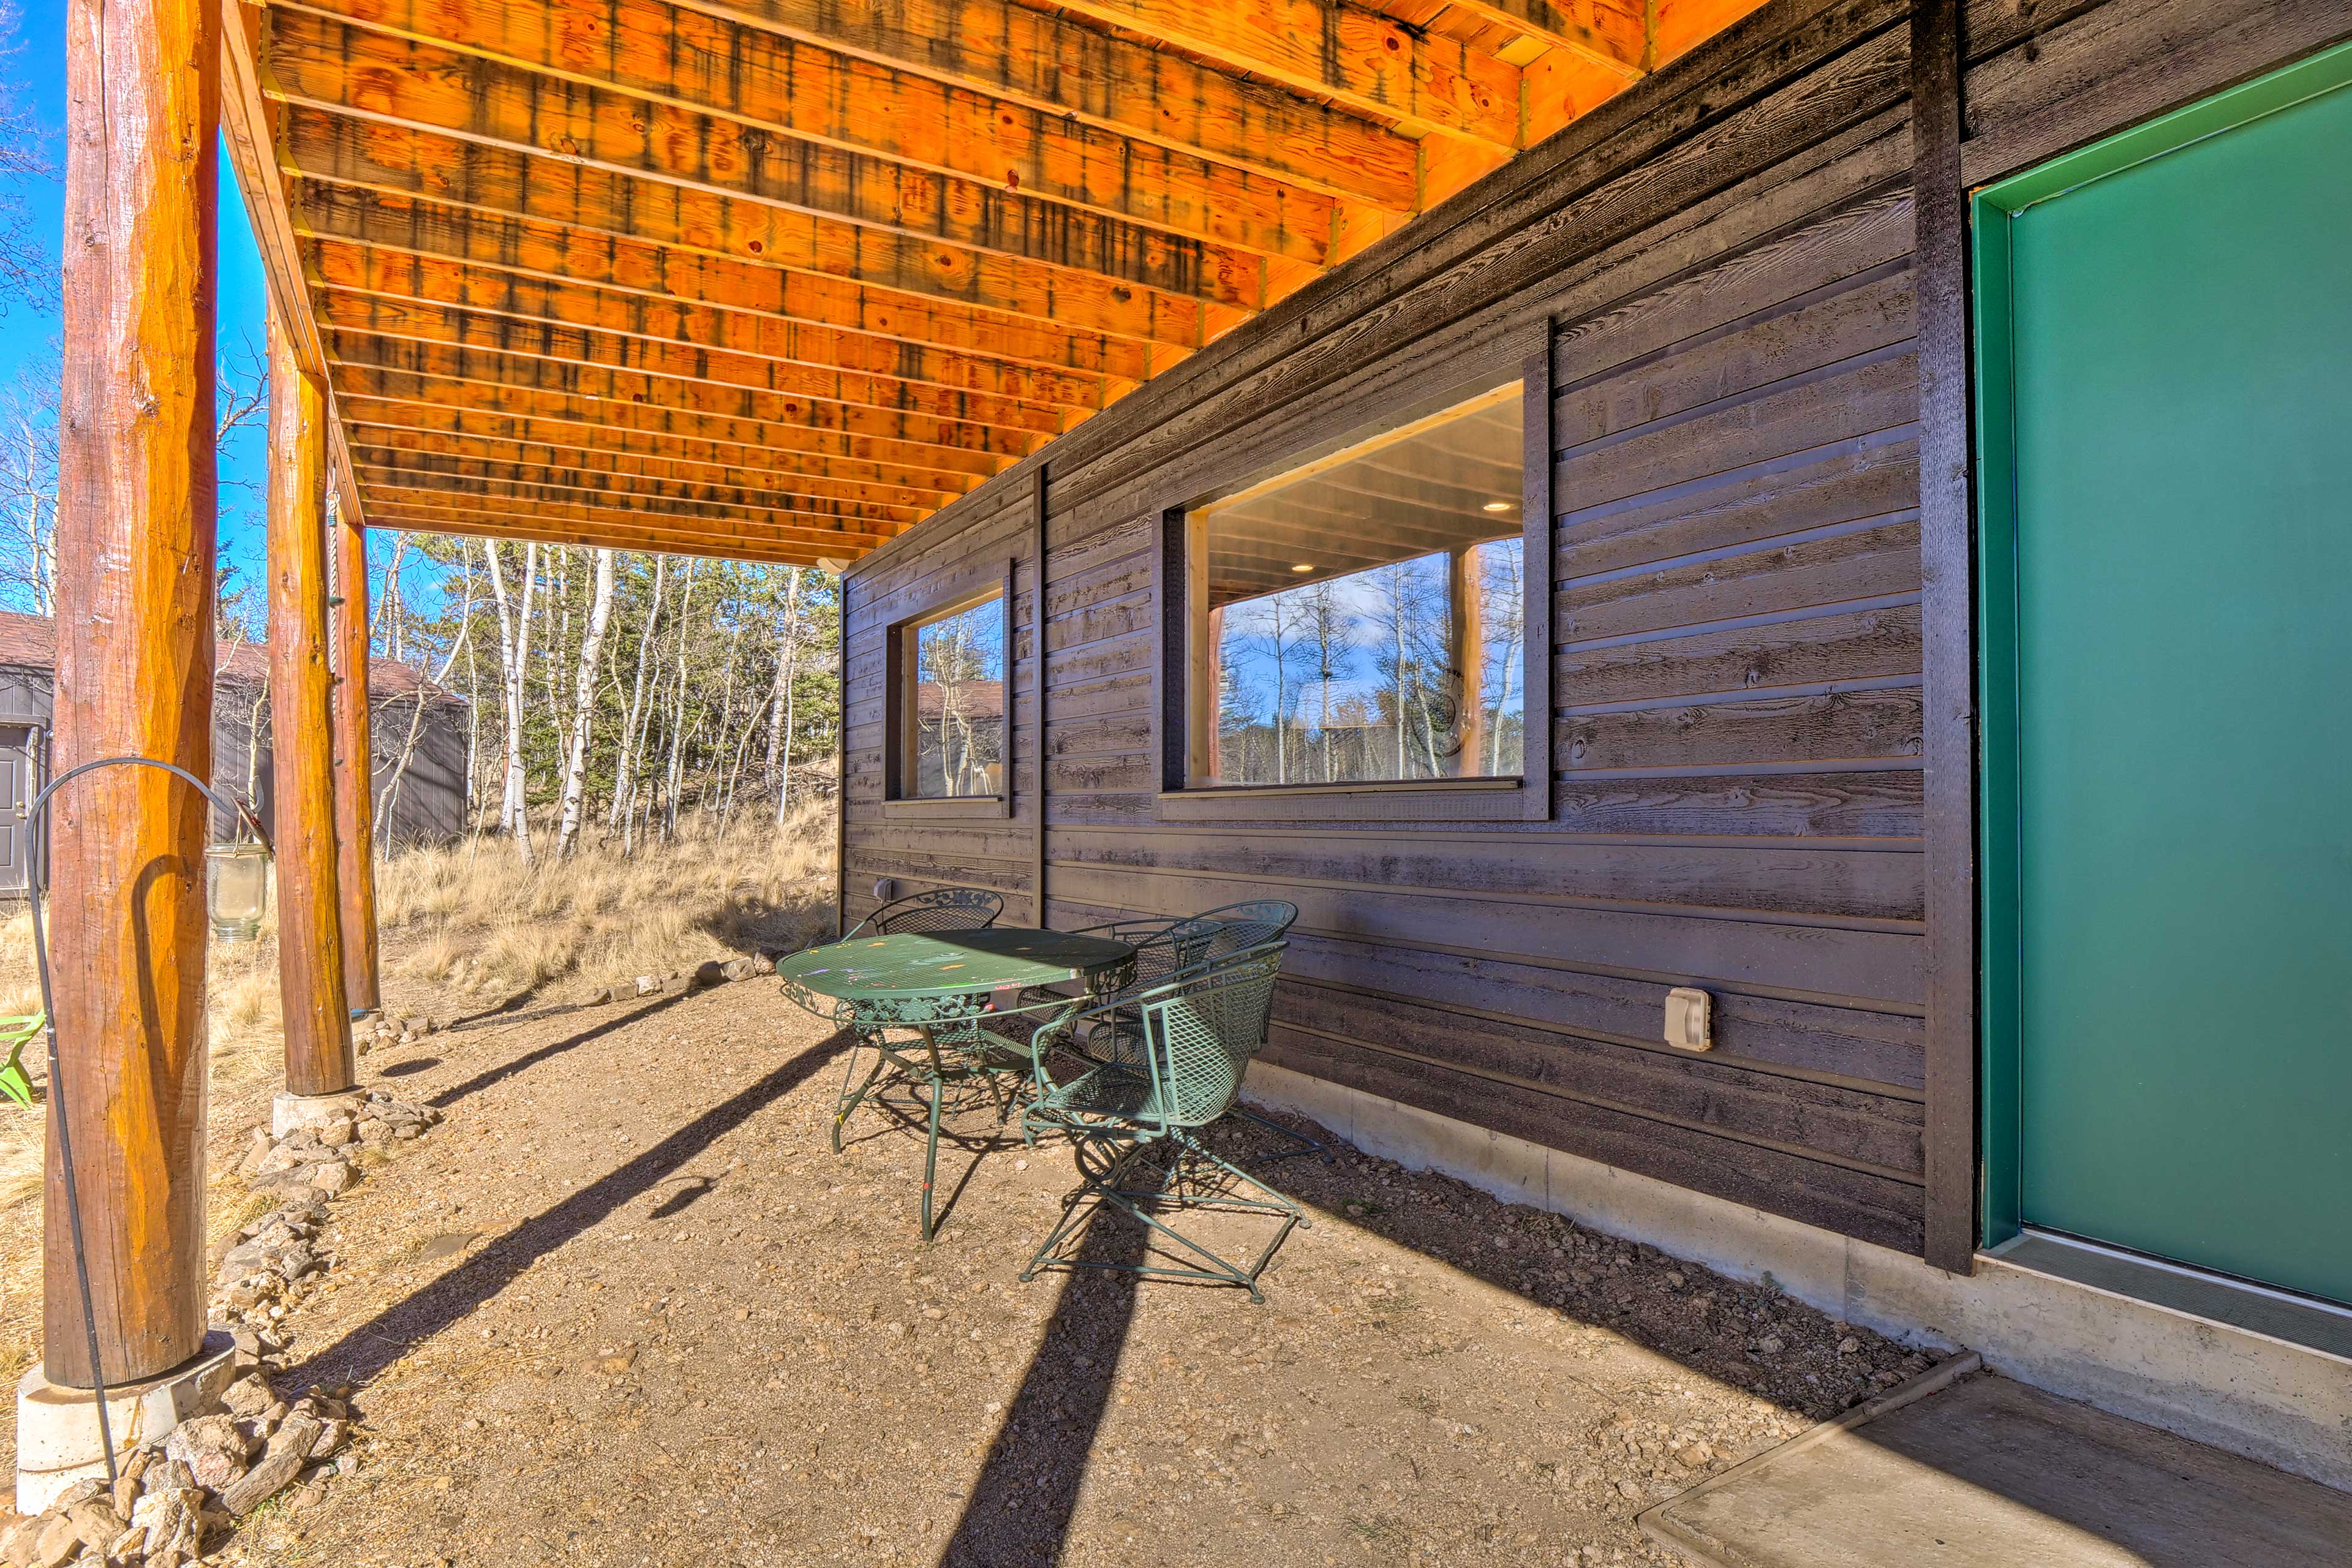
(1357, 617)
(1502, 572)
(1416, 696)
(1348, 678)
(959, 672)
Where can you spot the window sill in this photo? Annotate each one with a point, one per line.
(948, 807)
(1385, 800)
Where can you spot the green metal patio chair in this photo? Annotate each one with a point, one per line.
(16, 1034)
(1244, 927)
(1135, 1126)
(1165, 945)
(941, 909)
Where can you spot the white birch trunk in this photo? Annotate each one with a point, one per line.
(514, 651)
(575, 766)
(677, 721)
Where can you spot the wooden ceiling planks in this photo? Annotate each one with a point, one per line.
(777, 279)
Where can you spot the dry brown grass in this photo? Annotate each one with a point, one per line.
(247, 1037)
(247, 1046)
(474, 918)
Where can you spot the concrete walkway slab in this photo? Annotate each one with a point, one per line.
(1989, 1473)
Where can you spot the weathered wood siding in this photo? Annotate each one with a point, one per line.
(1722, 264)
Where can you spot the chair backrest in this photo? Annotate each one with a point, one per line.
(941, 909)
(1244, 927)
(1163, 948)
(1203, 1028)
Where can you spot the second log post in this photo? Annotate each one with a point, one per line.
(354, 779)
(301, 698)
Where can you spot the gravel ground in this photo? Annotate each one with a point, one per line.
(626, 1307)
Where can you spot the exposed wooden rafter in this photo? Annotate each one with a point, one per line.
(779, 277)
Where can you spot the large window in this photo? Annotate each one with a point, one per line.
(1360, 618)
(952, 705)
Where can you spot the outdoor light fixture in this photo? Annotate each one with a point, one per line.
(1304, 566)
(1498, 506)
(237, 891)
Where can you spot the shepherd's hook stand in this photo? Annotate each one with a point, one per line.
(55, 1424)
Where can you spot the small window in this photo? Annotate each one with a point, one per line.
(953, 663)
(1360, 618)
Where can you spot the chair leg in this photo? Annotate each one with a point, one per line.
(1306, 1145)
(1278, 1201)
(1108, 1188)
(1074, 1212)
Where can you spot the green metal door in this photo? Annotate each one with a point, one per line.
(2166, 338)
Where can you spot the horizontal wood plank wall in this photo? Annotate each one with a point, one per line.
(1725, 253)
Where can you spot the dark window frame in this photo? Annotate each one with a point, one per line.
(898, 744)
(1524, 796)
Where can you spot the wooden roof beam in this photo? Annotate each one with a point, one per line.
(597, 536)
(998, 49)
(427, 452)
(1362, 59)
(424, 165)
(684, 97)
(801, 442)
(370, 452)
(554, 443)
(359, 316)
(1614, 37)
(702, 399)
(489, 505)
(396, 226)
(354, 273)
(714, 502)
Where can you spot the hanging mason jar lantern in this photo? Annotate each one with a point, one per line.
(237, 890)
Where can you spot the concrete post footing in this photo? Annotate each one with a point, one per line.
(287, 1112)
(57, 1440)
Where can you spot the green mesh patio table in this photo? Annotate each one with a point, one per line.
(942, 986)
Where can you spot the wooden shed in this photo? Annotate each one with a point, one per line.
(417, 770)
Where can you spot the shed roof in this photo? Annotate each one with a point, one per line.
(777, 279)
(30, 642)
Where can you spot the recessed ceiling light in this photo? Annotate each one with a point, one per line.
(1304, 566)
(1499, 506)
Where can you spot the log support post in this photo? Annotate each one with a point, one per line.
(354, 781)
(311, 948)
(134, 676)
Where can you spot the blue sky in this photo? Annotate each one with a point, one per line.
(37, 69)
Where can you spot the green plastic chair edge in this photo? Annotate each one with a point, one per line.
(17, 1033)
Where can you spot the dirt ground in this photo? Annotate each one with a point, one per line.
(625, 1307)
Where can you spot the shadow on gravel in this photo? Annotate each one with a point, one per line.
(529, 1059)
(374, 1345)
(1020, 1509)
